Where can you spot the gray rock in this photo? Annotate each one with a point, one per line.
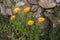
(1, 0)
(9, 3)
(58, 5)
(38, 13)
(49, 10)
(25, 1)
(49, 15)
(53, 19)
(20, 3)
(47, 3)
(12, 1)
(57, 1)
(3, 9)
(32, 1)
(54, 25)
(16, 1)
(8, 11)
(34, 8)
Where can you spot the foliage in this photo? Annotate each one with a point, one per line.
(19, 26)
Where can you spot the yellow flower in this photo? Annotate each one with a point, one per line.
(17, 9)
(26, 9)
(12, 17)
(41, 19)
(30, 22)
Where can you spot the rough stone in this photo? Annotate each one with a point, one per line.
(38, 13)
(25, 1)
(1, 0)
(53, 19)
(9, 3)
(9, 11)
(58, 5)
(49, 15)
(49, 10)
(16, 1)
(47, 3)
(20, 3)
(3, 9)
(34, 8)
(32, 1)
(57, 1)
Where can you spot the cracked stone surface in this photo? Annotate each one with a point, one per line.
(32, 1)
(47, 3)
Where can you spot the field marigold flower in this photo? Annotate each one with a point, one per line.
(12, 17)
(26, 9)
(17, 9)
(30, 22)
(41, 19)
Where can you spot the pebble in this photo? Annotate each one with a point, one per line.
(47, 3)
